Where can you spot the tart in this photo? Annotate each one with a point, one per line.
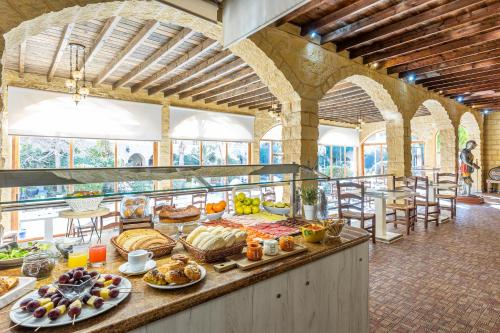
(170, 214)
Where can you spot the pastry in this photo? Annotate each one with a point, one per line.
(215, 238)
(141, 239)
(192, 272)
(176, 276)
(172, 265)
(129, 202)
(139, 211)
(195, 233)
(180, 257)
(155, 277)
(170, 214)
(7, 283)
(128, 213)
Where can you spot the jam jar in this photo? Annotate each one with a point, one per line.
(254, 251)
(38, 265)
(286, 243)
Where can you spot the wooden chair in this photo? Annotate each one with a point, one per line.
(448, 194)
(422, 200)
(408, 206)
(199, 200)
(164, 200)
(351, 205)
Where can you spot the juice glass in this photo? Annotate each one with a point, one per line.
(97, 255)
(78, 257)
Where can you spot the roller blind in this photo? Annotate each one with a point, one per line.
(196, 124)
(338, 136)
(44, 113)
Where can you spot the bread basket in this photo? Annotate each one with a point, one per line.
(158, 251)
(211, 255)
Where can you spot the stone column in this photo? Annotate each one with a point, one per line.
(449, 150)
(300, 132)
(165, 144)
(398, 133)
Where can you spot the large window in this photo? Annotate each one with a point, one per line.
(417, 153)
(271, 152)
(337, 161)
(375, 154)
(463, 137)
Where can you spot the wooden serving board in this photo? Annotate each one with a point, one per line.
(240, 260)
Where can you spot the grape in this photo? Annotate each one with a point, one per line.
(55, 296)
(117, 280)
(95, 291)
(111, 286)
(49, 295)
(78, 282)
(74, 311)
(43, 290)
(98, 302)
(39, 312)
(99, 284)
(32, 306)
(56, 301)
(64, 301)
(79, 269)
(54, 314)
(86, 277)
(70, 273)
(113, 293)
(63, 279)
(85, 298)
(24, 303)
(78, 275)
(85, 272)
(108, 277)
(93, 273)
(71, 281)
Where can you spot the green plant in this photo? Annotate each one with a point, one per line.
(309, 195)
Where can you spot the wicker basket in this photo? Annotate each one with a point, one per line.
(158, 251)
(84, 204)
(212, 255)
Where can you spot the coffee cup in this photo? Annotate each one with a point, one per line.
(137, 259)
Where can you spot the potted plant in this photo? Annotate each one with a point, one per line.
(309, 199)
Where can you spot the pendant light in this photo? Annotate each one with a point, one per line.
(76, 83)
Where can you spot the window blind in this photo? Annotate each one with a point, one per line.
(338, 136)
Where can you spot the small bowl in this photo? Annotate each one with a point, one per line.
(313, 233)
(334, 227)
(277, 211)
(71, 291)
(215, 216)
(65, 245)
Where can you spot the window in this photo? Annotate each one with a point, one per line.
(134, 153)
(185, 152)
(417, 155)
(463, 137)
(375, 154)
(271, 152)
(237, 153)
(337, 161)
(90, 153)
(213, 153)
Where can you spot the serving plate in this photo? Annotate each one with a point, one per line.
(179, 286)
(277, 211)
(21, 317)
(6, 263)
(24, 285)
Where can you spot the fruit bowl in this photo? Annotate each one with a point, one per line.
(215, 216)
(278, 211)
(313, 233)
(74, 291)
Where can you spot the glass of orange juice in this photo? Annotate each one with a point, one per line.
(78, 257)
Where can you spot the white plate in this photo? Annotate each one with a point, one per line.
(19, 317)
(24, 285)
(178, 286)
(124, 268)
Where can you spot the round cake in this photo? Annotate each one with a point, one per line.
(170, 214)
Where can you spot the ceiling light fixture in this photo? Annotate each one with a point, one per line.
(411, 78)
(460, 99)
(314, 34)
(486, 111)
(76, 83)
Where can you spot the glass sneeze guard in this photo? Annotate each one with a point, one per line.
(35, 188)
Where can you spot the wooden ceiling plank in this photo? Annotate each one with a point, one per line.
(63, 44)
(22, 58)
(235, 93)
(432, 41)
(459, 74)
(443, 48)
(377, 18)
(202, 67)
(216, 74)
(255, 97)
(263, 104)
(163, 51)
(218, 83)
(244, 96)
(141, 36)
(198, 50)
(333, 18)
(406, 24)
(267, 99)
(445, 85)
(101, 39)
(455, 55)
(247, 81)
(456, 71)
(436, 33)
(471, 88)
(459, 85)
(311, 5)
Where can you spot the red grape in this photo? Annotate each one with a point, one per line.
(74, 311)
(79, 269)
(71, 281)
(99, 284)
(54, 314)
(108, 277)
(55, 299)
(78, 275)
(113, 293)
(43, 290)
(63, 279)
(98, 302)
(117, 280)
(96, 291)
(32, 306)
(93, 273)
(39, 312)
(85, 298)
(24, 303)
(64, 301)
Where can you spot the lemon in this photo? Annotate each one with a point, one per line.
(241, 196)
(255, 202)
(239, 210)
(247, 210)
(255, 209)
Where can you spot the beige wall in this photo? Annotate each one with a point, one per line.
(491, 141)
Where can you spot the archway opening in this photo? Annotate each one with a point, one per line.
(469, 130)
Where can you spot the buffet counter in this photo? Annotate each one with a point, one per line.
(325, 288)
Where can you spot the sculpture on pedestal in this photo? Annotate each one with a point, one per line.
(467, 165)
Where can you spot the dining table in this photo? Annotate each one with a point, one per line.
(380, 196)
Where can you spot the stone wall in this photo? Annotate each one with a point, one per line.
(491, 142)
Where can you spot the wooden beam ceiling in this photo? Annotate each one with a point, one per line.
(143, 34)
(101, 39)
(22, 58)
(63, 43)
(441, 42)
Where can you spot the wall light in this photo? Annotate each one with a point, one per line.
(486, 111)
(411, 77)
(314, 34)
(460, 99)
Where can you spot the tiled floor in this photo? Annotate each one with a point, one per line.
(445, 279)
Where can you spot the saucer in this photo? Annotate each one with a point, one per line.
(124, 268)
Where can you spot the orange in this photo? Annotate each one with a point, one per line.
(209, 206)
(222, 203)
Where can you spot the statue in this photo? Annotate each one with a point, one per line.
(467, 165)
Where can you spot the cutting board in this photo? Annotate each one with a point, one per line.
(240, 260)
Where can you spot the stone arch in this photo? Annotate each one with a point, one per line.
(470, 123)
(439, 121)
(396, 131)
